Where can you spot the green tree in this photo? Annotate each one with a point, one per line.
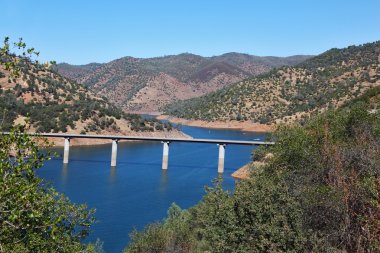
(260, 216)
(173, 235)
(33, 216)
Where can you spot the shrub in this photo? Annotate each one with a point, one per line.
(33, 216)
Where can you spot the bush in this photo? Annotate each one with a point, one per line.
(33, 216)
(172, 235)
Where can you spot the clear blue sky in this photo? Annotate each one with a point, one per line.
(79, 32)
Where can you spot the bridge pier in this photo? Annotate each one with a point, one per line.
(165, 155)
(66, 150)
(114, 152)
(222, 150)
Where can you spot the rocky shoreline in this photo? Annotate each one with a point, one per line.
(246, 171)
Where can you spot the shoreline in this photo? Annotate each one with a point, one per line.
(233, 124)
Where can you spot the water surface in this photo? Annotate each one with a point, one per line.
(137, 191)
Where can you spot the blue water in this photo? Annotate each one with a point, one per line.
(137, 191)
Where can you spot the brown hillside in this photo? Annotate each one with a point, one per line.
(146, 85)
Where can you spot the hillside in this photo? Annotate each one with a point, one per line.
(53, 103)
(146, 85)
(316, 190)
(292, 92)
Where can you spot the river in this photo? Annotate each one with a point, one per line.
(137, 191)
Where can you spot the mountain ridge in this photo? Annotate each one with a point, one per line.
(124, 80)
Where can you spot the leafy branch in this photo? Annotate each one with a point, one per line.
(12, 62)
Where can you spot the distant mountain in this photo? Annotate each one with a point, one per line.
(53, 103)
(146, 85)
(77, 72)
(290, 93)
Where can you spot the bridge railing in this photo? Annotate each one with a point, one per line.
(165, 141)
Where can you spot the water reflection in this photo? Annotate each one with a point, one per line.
(163, 181)
(65, 173)
(112, 177)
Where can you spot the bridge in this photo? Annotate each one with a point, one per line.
(165, 141)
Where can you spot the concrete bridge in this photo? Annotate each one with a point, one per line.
(165, 141)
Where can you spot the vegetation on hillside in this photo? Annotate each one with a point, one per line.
(54, 104)
(33, 216)
(318, 192)
(291, 93)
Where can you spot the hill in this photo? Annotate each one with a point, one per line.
(146, 85)
(291, 92)
(53, 103)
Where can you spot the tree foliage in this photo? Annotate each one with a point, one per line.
(33, 216)
(25, 55)
(173, 235)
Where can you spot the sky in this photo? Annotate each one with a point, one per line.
(80, 31)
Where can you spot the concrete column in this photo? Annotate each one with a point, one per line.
(66, 150)
(165, 155)
(222, 148)
(114, 153)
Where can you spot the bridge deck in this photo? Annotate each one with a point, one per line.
(139, 138)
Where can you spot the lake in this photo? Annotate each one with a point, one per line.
(138, 191)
